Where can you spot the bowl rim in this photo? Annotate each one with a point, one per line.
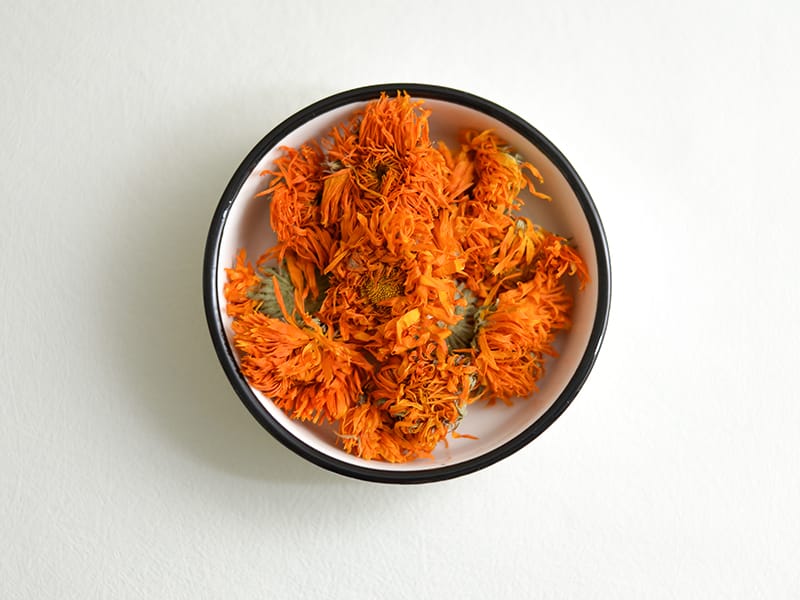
(225, 353)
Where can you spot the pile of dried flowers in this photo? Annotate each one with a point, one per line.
(404, 285)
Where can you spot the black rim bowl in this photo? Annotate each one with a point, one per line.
(225, 352)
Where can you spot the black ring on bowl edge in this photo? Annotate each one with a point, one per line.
(225, 353)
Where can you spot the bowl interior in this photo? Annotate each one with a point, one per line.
(247, 226)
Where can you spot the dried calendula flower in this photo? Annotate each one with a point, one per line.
(305, 371)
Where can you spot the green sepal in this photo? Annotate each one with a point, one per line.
(265, 292)
(462, 332)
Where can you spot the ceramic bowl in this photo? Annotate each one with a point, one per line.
(242, 221)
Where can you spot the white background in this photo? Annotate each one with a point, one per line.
(129, 468)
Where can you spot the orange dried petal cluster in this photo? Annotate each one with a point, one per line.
(404, 285)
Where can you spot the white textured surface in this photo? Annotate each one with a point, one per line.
(129, 469)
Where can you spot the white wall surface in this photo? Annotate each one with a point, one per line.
(129, 468)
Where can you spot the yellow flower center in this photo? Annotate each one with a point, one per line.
(382, 288)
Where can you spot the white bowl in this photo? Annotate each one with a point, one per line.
(242, 221)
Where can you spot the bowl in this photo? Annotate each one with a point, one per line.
(242, 221)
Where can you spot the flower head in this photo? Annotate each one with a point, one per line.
(414, 401)
(294, 207)
(310, 375)
(514, 334)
